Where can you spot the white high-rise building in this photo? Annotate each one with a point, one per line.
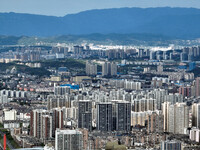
(113, 68)
(176, 119)
(109, 69)
(165, 110)
(91, 69)
(159, 96)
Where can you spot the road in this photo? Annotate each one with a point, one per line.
(1, 147)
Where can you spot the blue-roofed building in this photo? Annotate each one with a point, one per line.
(73, 87)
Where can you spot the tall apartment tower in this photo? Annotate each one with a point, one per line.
(142, 105)
(55, 101)
(105, 69)
(36, 123)
(197, 86)
(85, 114)
(123, 116)
(44, 123)
(165, 110)
(57, 119)
(152, 55)
(140, 53)
(178, 118)
(47, 131)
(183, 56)
(91, 69)
(113, 68)
(196, 115)
(159, 95)
(78, 50)
(109, 69)
(155, 122)
(61, 90)
(104, 117)
(68, 140)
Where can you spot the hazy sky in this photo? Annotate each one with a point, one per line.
(63, 7)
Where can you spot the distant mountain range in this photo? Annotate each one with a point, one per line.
(171, 22)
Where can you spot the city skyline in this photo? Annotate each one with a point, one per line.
(119, 75)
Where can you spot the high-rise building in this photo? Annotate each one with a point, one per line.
(197, 86)
(147, 52)
(58, 118)
(165, 56)
(165, 110)
(186, 91)
(152, 55)
(184, 56)
(159, 96)
(68, 140)
(170, 145)
(174, 98)
(141, 53)
(78, 50)
(61, 90)
(155, 122)
(142, 105)
(105, 69)
(54, 101)
(139, 118)
(109, 69)
(91, 69)
(85, 114)
(47, 126)
(44, 123)
(36, 123)
(123, 116)
(196, 115)
(177, 118)
(113, 67)
(104, 117)
(171, 56)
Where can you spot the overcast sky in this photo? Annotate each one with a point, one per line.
(63, 7)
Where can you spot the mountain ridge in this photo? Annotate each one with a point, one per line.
(167, 21)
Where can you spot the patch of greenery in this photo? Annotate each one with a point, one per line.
(9, 138)
(69, 63)
(1, 125)
(9, 40)
(25, 69)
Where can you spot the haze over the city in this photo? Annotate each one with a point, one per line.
(63, 7)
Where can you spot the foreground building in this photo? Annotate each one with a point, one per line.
(68, 140)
